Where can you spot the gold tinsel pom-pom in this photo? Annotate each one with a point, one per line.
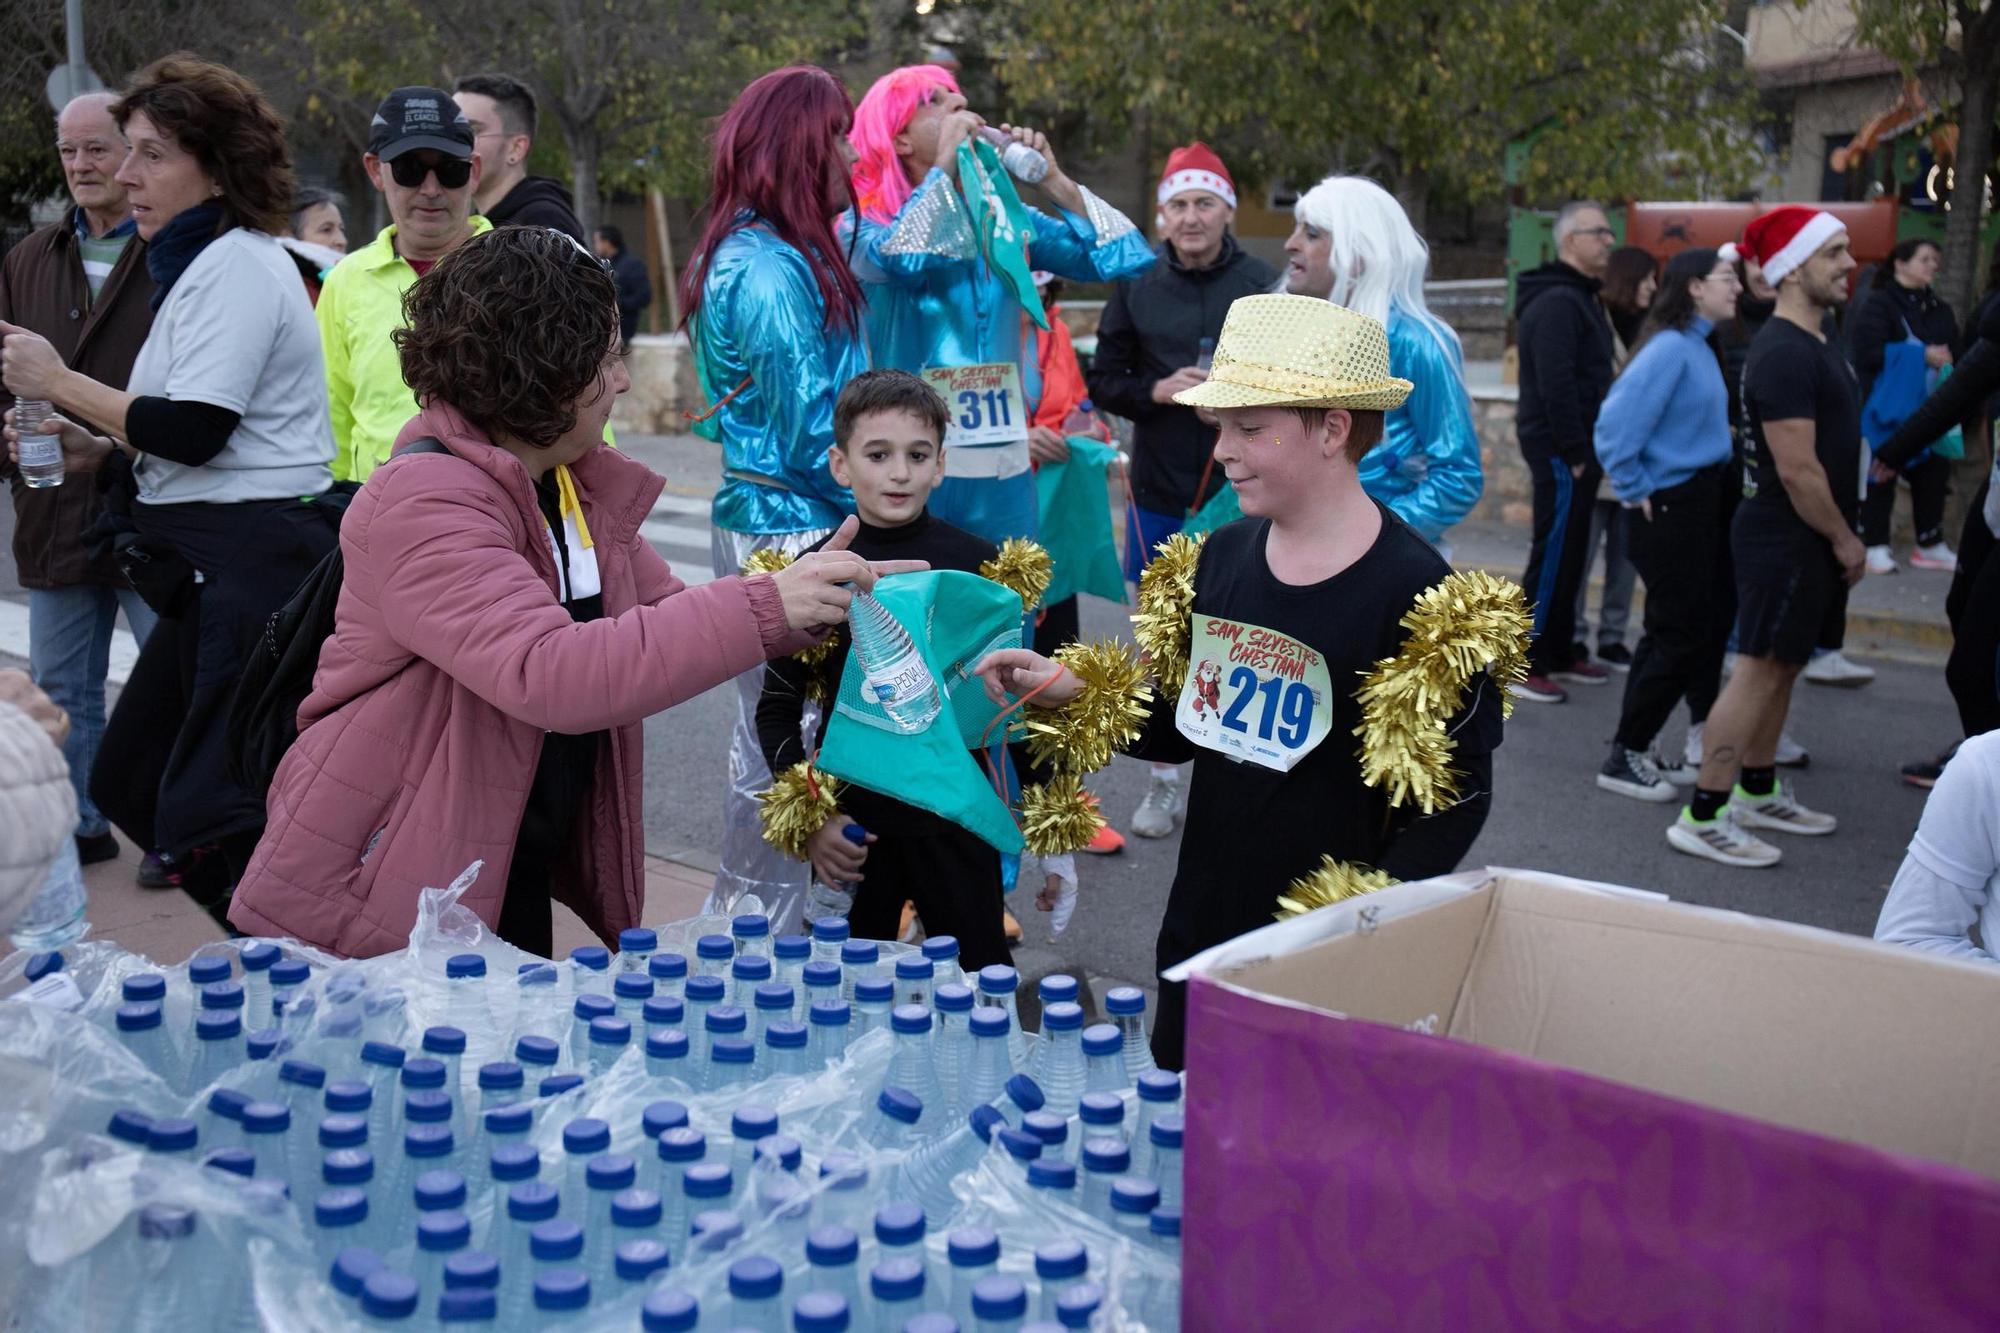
(1105, 716)
(1022, 567)
(792, 813)
(1334, 882)
(1058, 816)
(769, 560)
(1470, 622)
(1163, 623)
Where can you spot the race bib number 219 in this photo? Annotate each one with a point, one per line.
(1253, 694)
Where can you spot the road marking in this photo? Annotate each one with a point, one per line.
(675, 534)
(693, 506)
(14, 641)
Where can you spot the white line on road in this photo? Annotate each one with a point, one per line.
(694, 506)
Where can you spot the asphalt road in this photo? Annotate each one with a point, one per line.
(1547, 812)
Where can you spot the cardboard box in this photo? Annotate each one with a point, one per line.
(1510, 1101)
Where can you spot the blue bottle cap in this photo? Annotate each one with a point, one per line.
(219, 995)
(859, 953)
(900, 1104)
(536, 975)
(1166, 1222)
(465, 965)
(900, 1223)
(726, 1018)
(664, 1011)
(683, 1143)
(705, 1180)
(753, 926)
(220, 1025)
(343, 1131)
(1106, 1155)
(208, 968)
(792, 948)
(1124, 1001)
(714, 1228)
(910, 1019)
(531, 1201)
(952, 998)
(1020, 1144)
(752, 1121)
(263, 1044)
(820, 1312)
(834, 1244)
(1101, 1108)
(534, 1050)
(443, 1229)
(998, 979)
(1062, 1016)
(661, 1116)
(342, 1207)
(444, 1040)
(897, 1280)
(1102, 1039)
(1025, 1093)
(1060, 1259)
(781, 1148)
(820, 976)
(555, 1085)
(637, 939)
(347, 1166)
(517, 1118)
(351, 1268)
(633, 986)
(990, 1022)
(635, 1208)
(968, 1247)
(667, 1044)
(593, 956)
(999, 1296)
(467, 1305)
(586, 1136)
(236, 1161)
(751, 969)
(937, 1321)
(384, 1054)
(130, 1127)
(500, 1076)
(1052, 1173)
(610, 1171)
(427, 1141)
(715, 947)
(670, 1311)
(1158, 1085)
(437, 1190)
(705, 989)
(290, 972)
(266, 1118)
(387, 1294)
(830, 930)
(514, 1162)
(732, 1051)
(1168, 1130)
(638, 1259)
(1057, 988)
(610, 1032)
(984, 1120)
(228, 1103)
(831, 1013)
(590, 1007)
(171, 1135)
(914, 967)
(143, 988)
(1078, 1303)
(773, 994)
(562, 1289)
(345, 1096)
(142, 1016)
(786, 1036)
(427, 1106)
(667, 966)
(557, 1238)
(1047, 1126)
(471, 1270)
(1134, 1194)
(938, 948)
(423, 1072)
(755, 1278)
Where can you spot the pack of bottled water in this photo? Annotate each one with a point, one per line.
(708, 1129)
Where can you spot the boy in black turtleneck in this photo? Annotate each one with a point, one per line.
(888, 430)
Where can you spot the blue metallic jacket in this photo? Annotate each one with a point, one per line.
(1427, 467)
(932, 301)
(762, 319)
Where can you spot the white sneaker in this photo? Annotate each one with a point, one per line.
(1834, 669)
(1720, 840)
(1880, 561)
(1781, 811)
(1630, 773)
(1679, 772)
(1155, 816)
(1935, 556)
(1790, 753)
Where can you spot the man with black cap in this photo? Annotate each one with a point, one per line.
(421, 157)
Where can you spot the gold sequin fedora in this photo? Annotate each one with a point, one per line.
(1298, 351)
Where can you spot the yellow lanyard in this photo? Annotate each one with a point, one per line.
(568, 506)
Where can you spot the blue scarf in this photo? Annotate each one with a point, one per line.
(175, 245)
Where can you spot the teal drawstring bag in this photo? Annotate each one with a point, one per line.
(1076, 523)
(1001, 222)
(955, 619)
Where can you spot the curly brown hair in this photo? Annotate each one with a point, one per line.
(229, 126)
(512, 328)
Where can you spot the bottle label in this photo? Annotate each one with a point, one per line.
(57, 990)
(41, 451)
(899, 680)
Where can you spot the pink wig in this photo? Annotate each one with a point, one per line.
(880, 188)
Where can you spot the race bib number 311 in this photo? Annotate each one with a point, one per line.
(985, 403)
(1254, 694)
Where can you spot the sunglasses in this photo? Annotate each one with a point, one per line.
(410, 169)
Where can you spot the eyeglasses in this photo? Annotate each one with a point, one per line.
(1605, 232)
(410, 169)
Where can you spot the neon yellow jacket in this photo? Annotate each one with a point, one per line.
(360, 305)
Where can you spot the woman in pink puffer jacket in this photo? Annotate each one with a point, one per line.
(502, 631)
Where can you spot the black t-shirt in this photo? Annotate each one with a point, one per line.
(1250, 830)
(1793, 376)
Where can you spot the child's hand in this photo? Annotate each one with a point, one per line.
(834, 859)
(1018, 671)
(1058, 893)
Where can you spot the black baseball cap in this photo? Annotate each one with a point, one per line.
(413, 118)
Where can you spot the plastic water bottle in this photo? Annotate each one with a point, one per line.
(828, 934)
(472, 1270)
(926, 1174)
(610, 1038)
(1022, 162)
(508, 1165)
(667, 1055)
(746, 973)
(338, 1217)
(222, 1117)
(140, 1030)
(703, 993)
(558, 1085)
(953, 1044)
(898, 1287)
(774, 1001)
(673, 1153)
(1165, 1224)
(911, 1065)
(218, 1047)
(562, 1296)
(1054, 1175)
(859, 960)
(818, 980)
(130, 1126)
(669, 1310)
(1133, 1199)
(822, 1312)
(586, 1009)
(637, 1261)
(607, 1176)
(426, 1148)
(751, 933)
(382, 1067)
(713, 954)
(287, 975)
(833, 1257)
(629, 992)
(890, 1125)
(41, 460)
(894, 673)
(1082, 420)
(748, 1124)
(351, 1267)
(669, 972)
(785, 1049)
(792, 953)
(257, 957)
(501, 1083)
(388, 1298)
(723, 1020)
(1104, 1060)
(997, 986)
(556, 1243)
(590, 970)
(446, 1045)
(635, 948)
(663, 1011)
(1078, 1305)
(1159, 1094)
(467, 1306)
(660, 1116)
(441, 1233)
(1103, 1161)
(529, 1204)
(915, 978)
(974, 1253)
(714, 1233)
(756, 1284)
(776, 1192)
(1052, 1131)
(583, 1138)
(1205, 355)
(1101, 1115)
(1058, 1066)
(705, 1187)
(988, 1064)
(508, 1127)
(829, 1021)
(1166, 1166)
(1126, 1006)
(874, 997)
(424, 1074)
(845, 1195)
(635, 1216)
(1058, 1264)
(999, 1303)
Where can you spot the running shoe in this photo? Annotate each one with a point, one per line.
(1790, 754)
(1880, 561)
(1720, 840)
(1582, 672)
(1935, 556)
(1779, 810)
(1155, 816)
(1631, 773)
(1834, 668)
(1538, 690)
(1107, 841)
(92, 848)
(159, 871)
(1616, 656)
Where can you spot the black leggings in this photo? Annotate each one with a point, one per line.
(1929, 481)
(954, 880)
(1973, 606)
(1682, 552)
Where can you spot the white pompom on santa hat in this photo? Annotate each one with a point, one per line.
(1787, 237)
(1196, 167)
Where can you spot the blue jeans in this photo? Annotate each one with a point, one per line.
(69, 654)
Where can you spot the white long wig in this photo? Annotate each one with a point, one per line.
(1378, 260)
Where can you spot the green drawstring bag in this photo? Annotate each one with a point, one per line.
(1000, 221)
(1220, 508)
(955, 619)
(1076, 523)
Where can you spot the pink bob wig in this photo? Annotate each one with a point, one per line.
(775, 149)
(880, 188)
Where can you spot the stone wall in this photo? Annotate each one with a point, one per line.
(664, 389)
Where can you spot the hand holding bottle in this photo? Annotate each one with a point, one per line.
(812, 586)
(836, 856)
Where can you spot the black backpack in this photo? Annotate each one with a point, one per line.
(278, 674)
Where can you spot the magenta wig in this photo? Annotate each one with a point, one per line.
(879, 184)
(775, 149)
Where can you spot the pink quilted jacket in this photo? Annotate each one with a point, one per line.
(450, 659)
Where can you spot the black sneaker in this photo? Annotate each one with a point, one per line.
(1630, 773)
(92, 848)
(159, 871)
(1616, 656)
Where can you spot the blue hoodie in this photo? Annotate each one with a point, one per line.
(1667, 417)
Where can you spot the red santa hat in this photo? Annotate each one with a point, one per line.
(1196, 167)
(1787, 237)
